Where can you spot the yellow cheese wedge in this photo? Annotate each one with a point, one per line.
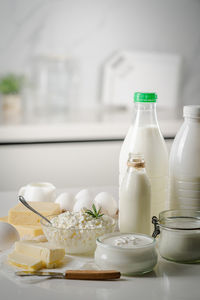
(20, 215)
(29, 231)
(25, 262)
(4, 219)
(44, 251)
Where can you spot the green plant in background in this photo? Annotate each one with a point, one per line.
(11, 84)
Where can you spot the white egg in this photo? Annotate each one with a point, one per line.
(83, 194)
(107, 203)
(83, 200)
(8, 235)
(66, 201)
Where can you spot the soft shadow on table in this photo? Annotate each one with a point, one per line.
(173, 269)
(151, 274)
(168, 268)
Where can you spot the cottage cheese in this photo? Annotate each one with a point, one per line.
(77, 231)
(80, 220)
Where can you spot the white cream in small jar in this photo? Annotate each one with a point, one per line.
(129, 253)
(179, 238)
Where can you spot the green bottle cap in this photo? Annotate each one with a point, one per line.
(145, 97)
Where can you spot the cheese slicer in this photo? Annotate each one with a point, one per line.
(75, 274)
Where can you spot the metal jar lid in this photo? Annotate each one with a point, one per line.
(182, 219)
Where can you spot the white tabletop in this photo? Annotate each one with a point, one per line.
(168, 281)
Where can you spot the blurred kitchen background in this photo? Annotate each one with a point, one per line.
(68, 71)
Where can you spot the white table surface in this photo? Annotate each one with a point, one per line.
(168, 280)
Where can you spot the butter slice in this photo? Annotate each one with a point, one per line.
(44, 251)
(4, 219)
(25, 262)
(29, 231)
(20, 215)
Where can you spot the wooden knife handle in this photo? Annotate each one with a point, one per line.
(92, 274)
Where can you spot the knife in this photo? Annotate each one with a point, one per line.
(75, 274)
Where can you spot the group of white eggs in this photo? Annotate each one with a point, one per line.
(84, 199)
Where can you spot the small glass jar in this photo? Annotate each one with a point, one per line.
(129, 253)
(54, 85)
(179, 231)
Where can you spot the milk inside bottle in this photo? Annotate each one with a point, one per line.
(144, 137)
(135, 198)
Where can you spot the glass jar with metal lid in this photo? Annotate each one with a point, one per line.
(179, 238)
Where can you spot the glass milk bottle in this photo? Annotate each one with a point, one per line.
(185, 162)
(144, 137)
(135, 198)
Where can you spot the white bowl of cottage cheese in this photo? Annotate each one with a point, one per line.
(77, 231)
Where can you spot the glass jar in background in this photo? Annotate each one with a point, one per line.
(53, 87)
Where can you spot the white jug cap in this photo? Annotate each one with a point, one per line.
(191, 111)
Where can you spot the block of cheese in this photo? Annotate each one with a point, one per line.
(20, 215)
(49, 254)
(4, 219)
(29, 231)
(25, 262)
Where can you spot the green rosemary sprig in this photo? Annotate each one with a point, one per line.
(96, 214)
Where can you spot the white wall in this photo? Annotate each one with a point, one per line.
(91, 30)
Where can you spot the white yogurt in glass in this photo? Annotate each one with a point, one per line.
(129, 253)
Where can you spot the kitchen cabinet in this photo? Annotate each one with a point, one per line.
(83, 151)
(64, 164)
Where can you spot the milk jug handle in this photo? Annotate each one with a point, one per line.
(155, 222)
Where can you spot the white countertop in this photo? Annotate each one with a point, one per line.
(93, 125)
(168, 281)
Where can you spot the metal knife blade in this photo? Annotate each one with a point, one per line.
(40, 273)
